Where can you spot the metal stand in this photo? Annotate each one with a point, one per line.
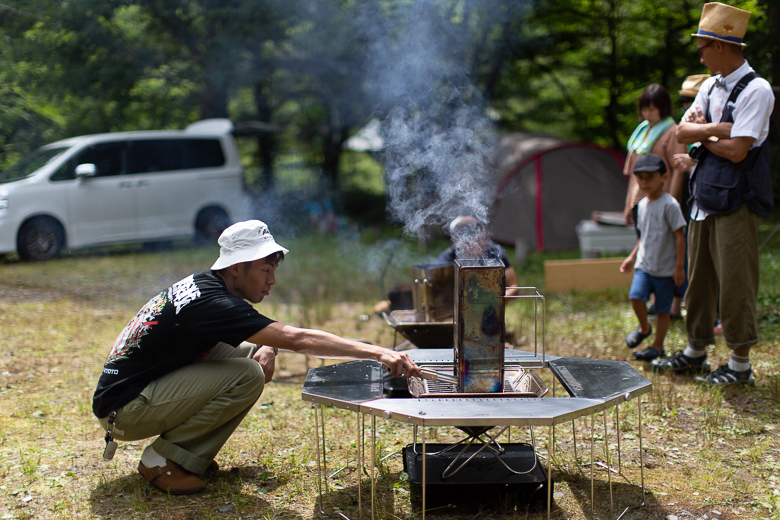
(472, 414)
(607, 465)
(319, 466)
(593, 386)
(488, 442)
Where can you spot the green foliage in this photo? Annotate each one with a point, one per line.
(318, 70)
(360, 172)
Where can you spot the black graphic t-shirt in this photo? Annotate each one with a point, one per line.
(177, 327)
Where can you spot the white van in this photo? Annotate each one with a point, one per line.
(122, 187)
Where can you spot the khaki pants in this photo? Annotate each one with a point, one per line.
(195, 409)
(723, 253)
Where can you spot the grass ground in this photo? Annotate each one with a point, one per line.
(707, 454)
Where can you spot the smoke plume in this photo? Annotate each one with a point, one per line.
(437, 138)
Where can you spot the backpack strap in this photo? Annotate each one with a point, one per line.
(726, 117)
(709, 93)
(738, 88)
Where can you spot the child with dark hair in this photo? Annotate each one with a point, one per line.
(656, 96)
(658, 257)
(656, 134)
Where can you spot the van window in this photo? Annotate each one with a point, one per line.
(155, 155)
(202, 153)
(109, 159)
(30, 163)
(158, 155)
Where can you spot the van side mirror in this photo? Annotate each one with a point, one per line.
(86, 170)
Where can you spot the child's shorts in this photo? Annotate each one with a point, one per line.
(644, 284)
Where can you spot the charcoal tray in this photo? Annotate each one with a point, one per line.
(423, 334)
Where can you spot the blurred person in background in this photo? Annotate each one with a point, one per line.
(656, 134)
(470, 241)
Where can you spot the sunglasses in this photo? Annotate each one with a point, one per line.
(700, 49)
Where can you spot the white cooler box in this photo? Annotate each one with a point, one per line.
(595, 238)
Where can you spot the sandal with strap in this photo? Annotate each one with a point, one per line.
(636, 337)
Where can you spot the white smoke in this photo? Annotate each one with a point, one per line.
(437, 138)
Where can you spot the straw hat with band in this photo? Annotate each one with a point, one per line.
(723, 23)
(245, 242)
(692, 84)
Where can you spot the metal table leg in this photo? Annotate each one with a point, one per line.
(609, 468)
(373, 455)
(358, 417)
(592, 432)
(424, 473)
(319, 466)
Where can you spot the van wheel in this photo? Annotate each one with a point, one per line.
(211, 222)
(40, 239)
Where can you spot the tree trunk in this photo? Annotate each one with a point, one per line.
(266, 142)
(613, 125)
(213, 97)
(335, 136)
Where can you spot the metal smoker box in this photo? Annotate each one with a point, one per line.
(432, 291)
(479, 325)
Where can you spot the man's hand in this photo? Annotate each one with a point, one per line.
(267, 359)
(400, 364)
(695, 128)
(683, 161)
(695, 116)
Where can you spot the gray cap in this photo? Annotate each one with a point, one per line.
(650, 163)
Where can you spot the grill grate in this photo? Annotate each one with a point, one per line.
(520, 382)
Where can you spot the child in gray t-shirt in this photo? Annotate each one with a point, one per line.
(659, 256)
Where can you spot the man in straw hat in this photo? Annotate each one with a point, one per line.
(195, 358)
(730, 189)
(690, 88)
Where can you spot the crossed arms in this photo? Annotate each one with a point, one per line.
(716, 137)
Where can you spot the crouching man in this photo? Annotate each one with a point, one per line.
(194, 360)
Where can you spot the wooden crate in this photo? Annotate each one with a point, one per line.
(590, 274)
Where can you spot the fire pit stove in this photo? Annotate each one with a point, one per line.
(429, 324)
(432, 291)
(479, 325)
(489, 387)
(478, 461)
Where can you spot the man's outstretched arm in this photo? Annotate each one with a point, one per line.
(326, 345)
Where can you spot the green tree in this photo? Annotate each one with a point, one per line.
(28, 114)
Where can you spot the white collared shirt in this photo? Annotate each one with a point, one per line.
(751, 112)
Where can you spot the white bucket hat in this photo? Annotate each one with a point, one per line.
(244, 242)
